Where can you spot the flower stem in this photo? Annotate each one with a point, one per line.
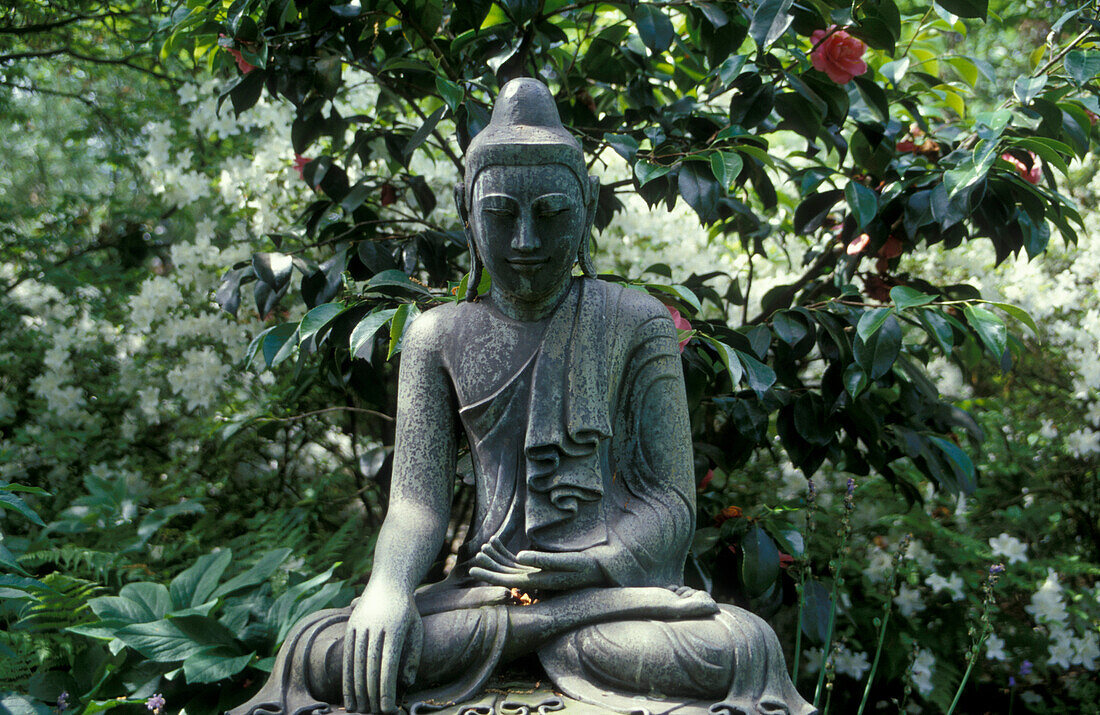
(878, 655)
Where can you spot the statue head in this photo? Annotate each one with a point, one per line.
(526, 199)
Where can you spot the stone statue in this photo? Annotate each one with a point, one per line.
(571, 395)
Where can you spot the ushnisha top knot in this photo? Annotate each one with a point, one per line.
(524, 129)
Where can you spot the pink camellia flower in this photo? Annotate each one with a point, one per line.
(1031, 175)
(300, 165)
(242, 64)
(837, 54)
(681, 323)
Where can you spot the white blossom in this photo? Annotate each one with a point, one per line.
(953, 584)
(1047, 605)
(995, 648)
(908, 601)
(1011, 548)
(923, 667)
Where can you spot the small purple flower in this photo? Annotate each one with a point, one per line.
(851, 486)
(1011, 682)
(996, 569)
(849, 495)
(813, 490)
(155, 703)
(1025, 668)
(63, 701)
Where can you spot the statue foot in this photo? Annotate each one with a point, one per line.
(674, 602)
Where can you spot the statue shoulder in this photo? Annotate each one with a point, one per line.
(432, 329)
(635, 307)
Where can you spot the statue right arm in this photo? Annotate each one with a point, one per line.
(384, 630)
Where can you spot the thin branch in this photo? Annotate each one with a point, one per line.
(55, 24)
(314, 413)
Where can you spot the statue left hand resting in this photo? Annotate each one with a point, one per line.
(383, 640)
(538, 570)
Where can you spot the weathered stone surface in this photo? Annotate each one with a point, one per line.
(570, 393)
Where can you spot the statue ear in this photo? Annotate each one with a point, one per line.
(584, 254)
(475, 260)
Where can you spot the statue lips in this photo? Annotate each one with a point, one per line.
(527, 263)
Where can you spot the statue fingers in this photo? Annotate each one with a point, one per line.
(522, 581)
(552, 561)
(354, 684)
(499, 553)
(410, 657)
(389, 667)
(373, 670)
(486, 561)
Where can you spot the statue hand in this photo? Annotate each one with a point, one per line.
(383, 639)
(537, 570)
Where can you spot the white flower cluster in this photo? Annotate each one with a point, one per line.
(854, 664)
(1048, 608)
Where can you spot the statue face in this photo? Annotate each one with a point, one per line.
(527, 222)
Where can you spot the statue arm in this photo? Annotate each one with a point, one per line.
(384, 634)
(653, 524)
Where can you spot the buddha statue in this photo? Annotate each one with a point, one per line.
(571, 396)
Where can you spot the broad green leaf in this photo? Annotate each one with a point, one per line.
(989, 328)
(254, 576)
(769, 22)
(647, 172)
(760, 563)
(729, 359)
(905, 297)
(1021, 315)
(274, 345)
(163, 641)
(654, 27)
(1027, 89)
(1082, 65)
(760, 376)
(855, 380)
(366, 329)
(960, 463)
(451, 93)
(877, 354)
(966, 68)
(871, 321)
(318, 318)
(214, 665)
(726, 166)
(11, 502)
(966, 8)
(682, 292)
(863, 202)
(400, 323)
(153, 597)
(194, 586)
(624, 145)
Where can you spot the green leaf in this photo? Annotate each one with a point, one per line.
(855, 380)
(960, 463)
(700, 190)
(451, 93)
(966, 8)
(194, 586)
(682, 292)
(654, 27)
(877, 354)
(364, 332)
(863, 203)
(871, 321)
(274, 343)
(989, 328)
(421, 134)
(318, 318)
(167, 641)
(213, 665)
(729, 359)
(1027, 89)
(11, 502)
(647, 172)
(1082, 65)
(769, 22)
(760, 565)
(397, 329)
(256, 575)
(816, 606)
(1019, 314)
(624, 145)
(153, 597)
(761, 377)
(726, 167)
(905, 297)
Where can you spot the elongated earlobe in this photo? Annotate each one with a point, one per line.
(475, 260)
(584, 253)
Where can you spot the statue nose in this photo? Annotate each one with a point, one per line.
(525, 239)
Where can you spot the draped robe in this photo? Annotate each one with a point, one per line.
(584, 447)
